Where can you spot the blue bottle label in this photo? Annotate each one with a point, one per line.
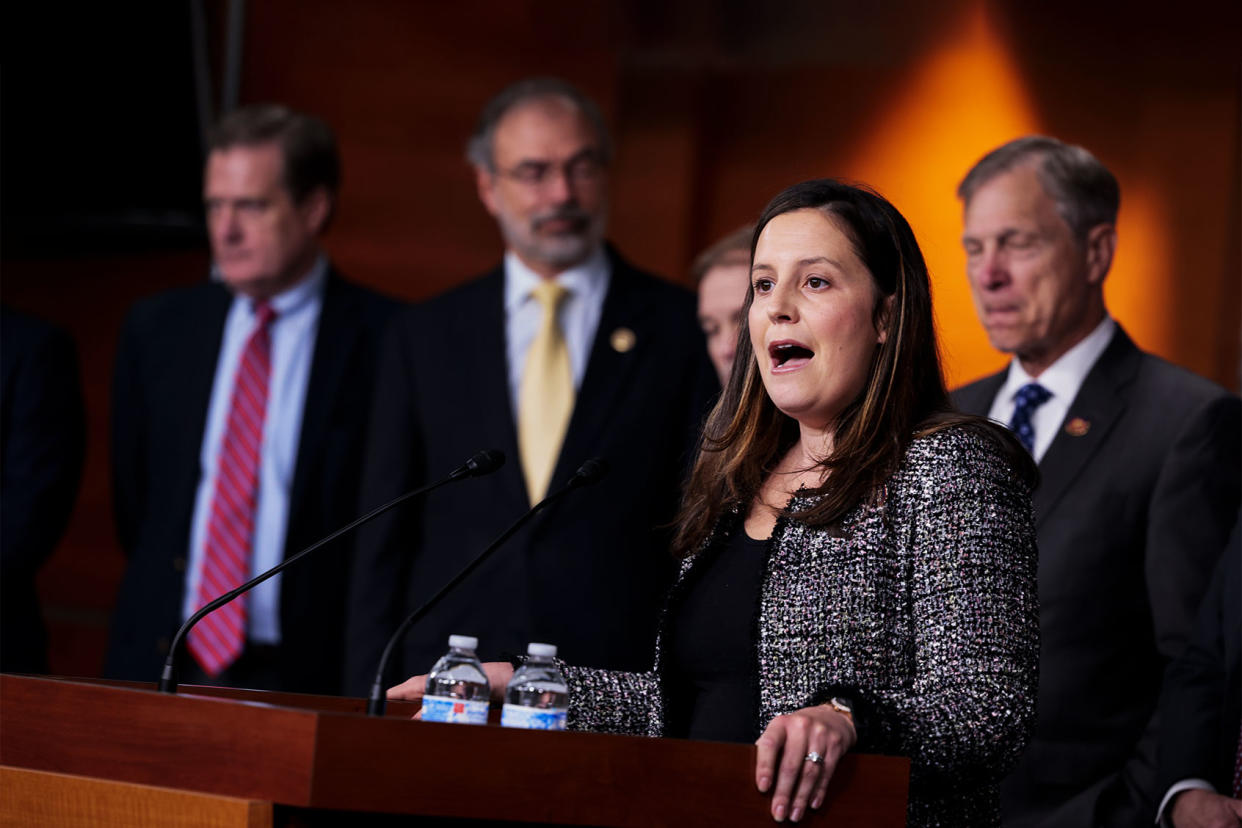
(457, 711)
(532, 718)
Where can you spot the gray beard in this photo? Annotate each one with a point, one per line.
(560, 252)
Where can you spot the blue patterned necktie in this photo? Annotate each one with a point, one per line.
(1029, 397)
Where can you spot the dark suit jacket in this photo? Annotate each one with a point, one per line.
(1130, 517)
(42, 446)
(589, 573)
(164, 372)
(1201, 706)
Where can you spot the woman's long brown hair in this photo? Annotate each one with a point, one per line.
(904, 395)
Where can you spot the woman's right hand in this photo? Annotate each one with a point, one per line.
(799, 752)
(498, 675)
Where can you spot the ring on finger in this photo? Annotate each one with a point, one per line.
(814, 758)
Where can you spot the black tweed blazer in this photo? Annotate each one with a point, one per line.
(921, 606)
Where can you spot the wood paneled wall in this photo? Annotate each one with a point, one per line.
(716, 106)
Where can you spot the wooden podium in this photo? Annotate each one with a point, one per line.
(319, 759)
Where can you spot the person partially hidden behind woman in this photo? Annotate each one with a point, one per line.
(858, 559)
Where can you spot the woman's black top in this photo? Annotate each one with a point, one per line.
(711, 681)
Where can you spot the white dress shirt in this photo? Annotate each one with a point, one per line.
(579, 314)
(1164, 815)
(1063, 378)
(292, 346)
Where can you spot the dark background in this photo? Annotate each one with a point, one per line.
(715, 105)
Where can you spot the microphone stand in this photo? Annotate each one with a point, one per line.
(588, 473)
(484, 462)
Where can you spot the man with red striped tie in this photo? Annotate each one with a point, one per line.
(239, 407)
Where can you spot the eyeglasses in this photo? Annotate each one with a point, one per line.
(584, 168)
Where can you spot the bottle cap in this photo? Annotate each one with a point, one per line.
(464, 642)
(541, 650)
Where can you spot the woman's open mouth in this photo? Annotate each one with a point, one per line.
(788, 355)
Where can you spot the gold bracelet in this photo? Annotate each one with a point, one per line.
(842, 706)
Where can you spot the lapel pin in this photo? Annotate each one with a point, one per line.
(1077, 427)
(622, 340)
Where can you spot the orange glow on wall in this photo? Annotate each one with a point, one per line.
(961, 100)
(1136, 289)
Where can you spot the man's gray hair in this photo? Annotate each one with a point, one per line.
(479, 147)
(1085, 192)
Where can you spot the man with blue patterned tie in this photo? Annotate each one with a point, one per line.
(1140, 478)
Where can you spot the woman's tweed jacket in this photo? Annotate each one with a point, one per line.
(920, 606)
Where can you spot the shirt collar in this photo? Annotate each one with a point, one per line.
(304, 291)
(292, 299)
(586, 279)
(1065, 376)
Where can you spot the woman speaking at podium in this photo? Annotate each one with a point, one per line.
(858, 560)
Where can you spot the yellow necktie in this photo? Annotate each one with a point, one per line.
(545, 395)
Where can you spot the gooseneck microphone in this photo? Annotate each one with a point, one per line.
(484, 462)
(588, 473)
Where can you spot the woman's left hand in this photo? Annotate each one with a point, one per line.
(790, 740)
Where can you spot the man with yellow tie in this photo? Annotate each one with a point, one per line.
(563, 353)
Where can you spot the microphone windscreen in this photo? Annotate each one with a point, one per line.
(591, 471)
(485, 462)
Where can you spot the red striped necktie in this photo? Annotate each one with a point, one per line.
(218, 639)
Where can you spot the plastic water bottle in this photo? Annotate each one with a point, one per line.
(537, 697)
(457, 689)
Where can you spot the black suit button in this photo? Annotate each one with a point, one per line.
(161, 644)
(179, 563)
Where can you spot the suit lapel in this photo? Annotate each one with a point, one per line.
(488, 390)
(201, 343)
(335, 340)
(977, 397)
(196, 338)
(608, 371)
(1100, 402)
